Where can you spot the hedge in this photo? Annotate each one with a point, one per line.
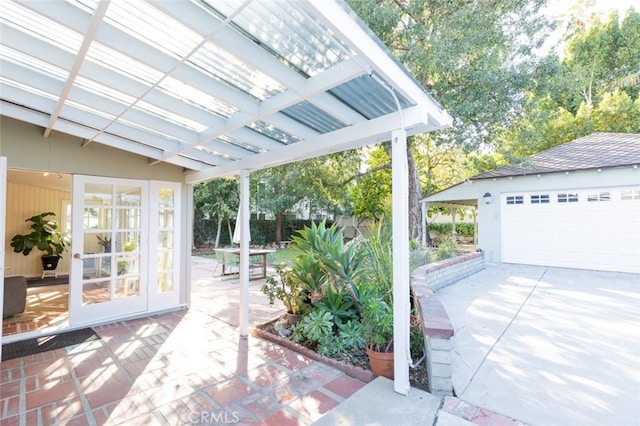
(462, 229)
(262, 231)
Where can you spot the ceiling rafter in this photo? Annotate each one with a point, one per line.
(96, 20)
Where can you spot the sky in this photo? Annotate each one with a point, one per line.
(562, 8)
(602, 7)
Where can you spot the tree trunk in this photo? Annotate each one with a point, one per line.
(218, 232)
(278, 228)
(415, 193)
(230, 230)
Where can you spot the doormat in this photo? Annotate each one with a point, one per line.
(47, 343)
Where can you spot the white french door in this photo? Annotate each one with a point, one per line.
(110, 249)
(125, 245)
(164, 262)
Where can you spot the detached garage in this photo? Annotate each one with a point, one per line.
(576, 205)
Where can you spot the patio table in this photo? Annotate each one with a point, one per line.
(252, 253)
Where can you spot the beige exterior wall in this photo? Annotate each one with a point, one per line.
(26, 148)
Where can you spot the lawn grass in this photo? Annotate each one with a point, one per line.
(281, 255)
(284, 255)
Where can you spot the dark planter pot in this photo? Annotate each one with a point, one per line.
(50, 263)
(381, 363)
(293, 319)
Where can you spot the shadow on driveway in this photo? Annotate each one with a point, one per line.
(548, 346)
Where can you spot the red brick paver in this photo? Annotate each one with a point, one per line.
(176, 368)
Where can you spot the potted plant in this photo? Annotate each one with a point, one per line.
(377, 300)
(44, 236)
(105, 242)
(377, 329)
(284, 287)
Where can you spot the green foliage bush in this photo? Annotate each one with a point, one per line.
(462, 229)
(262, 231)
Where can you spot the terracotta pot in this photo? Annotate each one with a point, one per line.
(381, 363)
(293, 319)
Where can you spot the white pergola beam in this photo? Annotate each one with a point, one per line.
(372, 131)
(96, 20)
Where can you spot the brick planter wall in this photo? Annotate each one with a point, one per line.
(440, 274)
(437, 329)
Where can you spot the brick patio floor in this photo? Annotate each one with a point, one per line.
(182, 367)
(177, 368)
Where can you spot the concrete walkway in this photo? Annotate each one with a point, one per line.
(548, 346)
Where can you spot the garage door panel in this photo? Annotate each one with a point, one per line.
(591, 233)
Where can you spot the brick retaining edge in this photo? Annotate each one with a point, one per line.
(350, 370)
(436, 326)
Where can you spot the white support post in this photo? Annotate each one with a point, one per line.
(454, 212)
(244, 253)
(3, 204)
(401, 274)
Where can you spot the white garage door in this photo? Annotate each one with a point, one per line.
(590, 229)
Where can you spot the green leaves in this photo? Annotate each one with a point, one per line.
(44, 236)
(339, 304)
(315, 326)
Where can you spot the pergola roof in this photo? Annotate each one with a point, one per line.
(214, 86)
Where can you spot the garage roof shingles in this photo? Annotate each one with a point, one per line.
(596, 151)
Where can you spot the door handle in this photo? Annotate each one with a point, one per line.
(77, 256)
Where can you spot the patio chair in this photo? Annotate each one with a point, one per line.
(255, 264)
(219, 256)
(231, 262)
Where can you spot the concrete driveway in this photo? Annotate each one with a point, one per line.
(548, 346)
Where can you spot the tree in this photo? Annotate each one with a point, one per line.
(599, 56)
(371, 196)
(216, 199)
(593, 89)
(476, 56)
(320, 182)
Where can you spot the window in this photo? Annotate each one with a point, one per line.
(568, 198)
(515, 199)
(599, 196)
(540, 199)
(630, 194)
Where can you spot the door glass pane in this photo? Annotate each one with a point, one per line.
(128, 218)
(128, 264)
(165, 239)
(165, 282)
(165, 261)
(97, 218)
(98, 193)
(127, 287)
(127, 241)
(165, 219)
(127, 195)
(96, 292)
(166, 198)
